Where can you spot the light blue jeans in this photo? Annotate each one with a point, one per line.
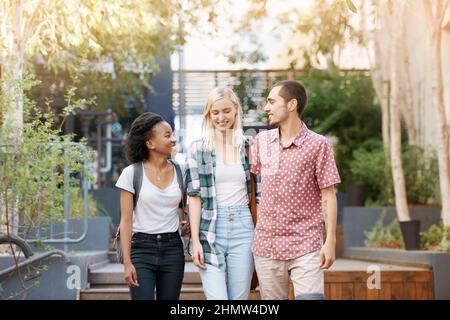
(234, 237)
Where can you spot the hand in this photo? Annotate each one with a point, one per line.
(327, 255)
(250, 139)
(130, 275)
(197, 254)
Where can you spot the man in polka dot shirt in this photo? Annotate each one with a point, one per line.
(297, 200)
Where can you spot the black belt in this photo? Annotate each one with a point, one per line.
(158, 236)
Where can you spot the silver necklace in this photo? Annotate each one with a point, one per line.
(158, 175)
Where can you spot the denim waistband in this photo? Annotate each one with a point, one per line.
(235, 207)
(159, 236)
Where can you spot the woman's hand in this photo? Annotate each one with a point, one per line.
(130, 275)
(197, 254)
(250, 139)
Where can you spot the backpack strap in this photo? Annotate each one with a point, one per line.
(138, 173)
(180, 182)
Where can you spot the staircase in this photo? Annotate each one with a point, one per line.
(106, 283)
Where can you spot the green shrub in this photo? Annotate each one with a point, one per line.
(436, 238)
(77, 204)
(371, 167)
(32, 167)
(342, 104)
(381, 236)
(421, 175)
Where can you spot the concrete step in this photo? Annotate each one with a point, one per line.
(112, 285)
(105, 294)
(106, 283)
(112, 274)
(107, 286)
(123, 293)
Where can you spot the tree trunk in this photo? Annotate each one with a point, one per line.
(408, 114)
(385, 114)
(12, 87)
(13, 68)
(12, 91)
(379, 65)
(401, 203)
(385, 45)
(443, 136)
(437, 101)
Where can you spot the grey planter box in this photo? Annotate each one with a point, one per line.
(57, 280)
(356, 220)
(54, 283)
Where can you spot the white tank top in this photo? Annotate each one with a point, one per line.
(231, 187)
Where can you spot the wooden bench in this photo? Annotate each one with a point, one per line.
(347, 280)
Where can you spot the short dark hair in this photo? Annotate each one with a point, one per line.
(291, 89)
(140, 132)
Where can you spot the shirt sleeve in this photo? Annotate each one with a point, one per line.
(192, 178)
(125, 180)
(326, 172)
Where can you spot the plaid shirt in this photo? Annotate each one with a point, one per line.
(201, 182)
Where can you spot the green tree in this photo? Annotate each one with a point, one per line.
(339, 104)
(32, 173)
(110, 41)
(36, 173)
(326, 28)
(321, 32)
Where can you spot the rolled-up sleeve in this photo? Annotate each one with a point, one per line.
(192, 177)
(326, 172)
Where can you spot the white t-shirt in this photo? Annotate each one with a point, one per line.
(231, 186)
(156, 210)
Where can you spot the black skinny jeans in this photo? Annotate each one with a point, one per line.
(159, 263)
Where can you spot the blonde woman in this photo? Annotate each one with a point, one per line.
(218, 181)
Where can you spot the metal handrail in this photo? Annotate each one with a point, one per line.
(22, 243)
(85, 186)
(34, 259)
(66, 239)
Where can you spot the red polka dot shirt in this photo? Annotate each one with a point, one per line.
(290, 220)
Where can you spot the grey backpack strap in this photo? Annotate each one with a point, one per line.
(138, 173)
(179, 174)
(180, 182)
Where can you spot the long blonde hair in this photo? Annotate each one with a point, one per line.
(209, 132)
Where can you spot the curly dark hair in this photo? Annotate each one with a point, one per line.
(140, 132)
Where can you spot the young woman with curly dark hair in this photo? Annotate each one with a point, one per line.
(152, 248)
